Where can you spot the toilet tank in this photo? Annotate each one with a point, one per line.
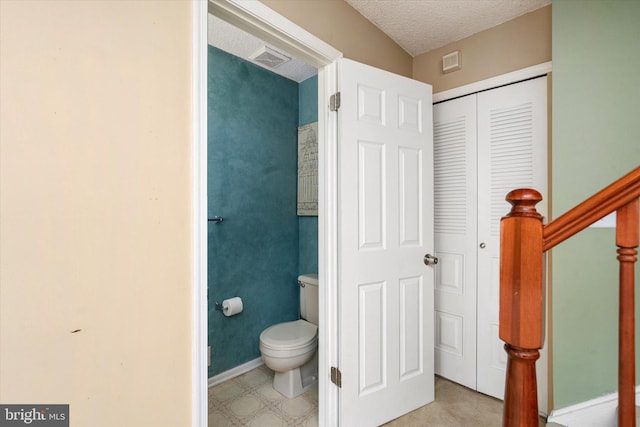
(309, 297)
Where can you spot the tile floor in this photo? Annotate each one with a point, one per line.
(250, 400)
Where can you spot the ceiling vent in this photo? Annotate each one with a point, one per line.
(268, 57)
(451, 62)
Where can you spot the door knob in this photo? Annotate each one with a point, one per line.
(483, 245)
(430, 259)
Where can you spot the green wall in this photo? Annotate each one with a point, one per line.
(252, 178)
(308, 225)
(596, 140)
(262, 245)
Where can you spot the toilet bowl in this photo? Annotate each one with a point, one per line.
(289, 348)
(285, 348)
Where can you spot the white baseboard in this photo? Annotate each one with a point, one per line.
(599, 412)
(235, 372)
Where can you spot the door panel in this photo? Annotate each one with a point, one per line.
(371, 195)
(411, 327)
(385, 224)
(512, 153)
(455, 199)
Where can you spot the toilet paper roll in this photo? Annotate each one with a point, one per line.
(232, 306)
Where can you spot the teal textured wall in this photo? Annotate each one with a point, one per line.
(308, 225)
(596, 140)
(252, 178)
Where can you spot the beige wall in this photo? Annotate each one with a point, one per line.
(341, 26)
(95, 209)
(516, 44)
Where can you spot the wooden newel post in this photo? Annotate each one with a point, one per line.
(521, 321)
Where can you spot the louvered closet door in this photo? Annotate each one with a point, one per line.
(512, 153)
(455, 204)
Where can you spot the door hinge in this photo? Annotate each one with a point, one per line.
(334, 102)
(336, 376)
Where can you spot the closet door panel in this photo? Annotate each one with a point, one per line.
(512, 153)
(455, 239)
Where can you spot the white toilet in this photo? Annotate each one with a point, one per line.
(289, 348)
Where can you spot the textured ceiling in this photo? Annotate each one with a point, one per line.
(420, 26)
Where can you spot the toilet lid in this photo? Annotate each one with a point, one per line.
(289, 335)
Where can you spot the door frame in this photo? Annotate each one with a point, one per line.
(494, 82)
(264, 23)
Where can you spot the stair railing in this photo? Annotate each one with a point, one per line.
(523, 240)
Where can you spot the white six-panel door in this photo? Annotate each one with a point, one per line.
(386, 228)
(476, 165)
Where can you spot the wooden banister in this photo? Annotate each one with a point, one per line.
(523, 240)
(601, 204)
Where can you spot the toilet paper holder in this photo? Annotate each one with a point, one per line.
(230, 307)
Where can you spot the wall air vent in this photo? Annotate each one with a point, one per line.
(451, 62)
(268, 57)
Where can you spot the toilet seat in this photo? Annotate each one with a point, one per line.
(289, 335)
